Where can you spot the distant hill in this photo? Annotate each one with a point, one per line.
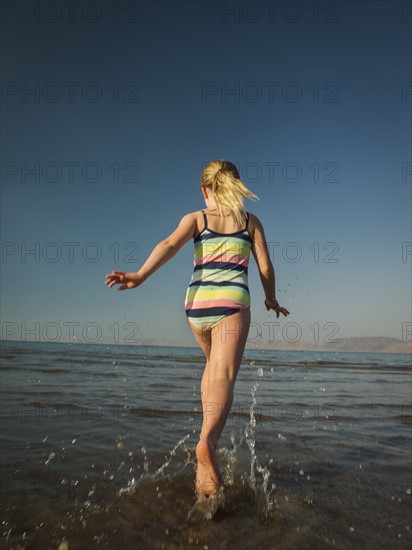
(372, 344)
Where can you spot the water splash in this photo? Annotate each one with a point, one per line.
(145, 461)
(227, 459)
(159, 471)
(152, 475)
(205, 508)
(259, 488)
(256, 480)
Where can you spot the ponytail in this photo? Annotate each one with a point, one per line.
(228, 189)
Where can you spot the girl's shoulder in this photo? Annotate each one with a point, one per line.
(197, 220)
(253, 220)
(255, 226)
(194, 216)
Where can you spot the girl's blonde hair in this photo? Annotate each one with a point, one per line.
(228, 189)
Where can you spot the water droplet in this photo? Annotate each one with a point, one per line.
(51, 456)
(260, 372)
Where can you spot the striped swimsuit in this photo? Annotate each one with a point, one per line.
(219, 284)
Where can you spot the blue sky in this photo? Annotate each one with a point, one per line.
(130, 99)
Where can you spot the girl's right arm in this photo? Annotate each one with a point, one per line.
(161, 254)
(265, 266)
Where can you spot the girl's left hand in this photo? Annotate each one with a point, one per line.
(274, 304)
(126, 280)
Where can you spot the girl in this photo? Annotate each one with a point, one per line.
(217, 301)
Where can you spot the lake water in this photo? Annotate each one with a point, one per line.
(98, 450)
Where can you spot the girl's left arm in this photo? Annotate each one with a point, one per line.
(161, 254)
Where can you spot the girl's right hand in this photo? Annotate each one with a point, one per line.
(126, 280)
(274, 304)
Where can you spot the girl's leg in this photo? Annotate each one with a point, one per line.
(223, 347)
(207, 475)
(204, 340)
(227, 347)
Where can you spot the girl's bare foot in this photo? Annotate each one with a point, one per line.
(207, 475)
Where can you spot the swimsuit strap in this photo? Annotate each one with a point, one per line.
(204, 217)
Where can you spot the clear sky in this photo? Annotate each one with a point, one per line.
(110, 111)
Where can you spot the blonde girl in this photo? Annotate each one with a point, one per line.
(217, 302)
